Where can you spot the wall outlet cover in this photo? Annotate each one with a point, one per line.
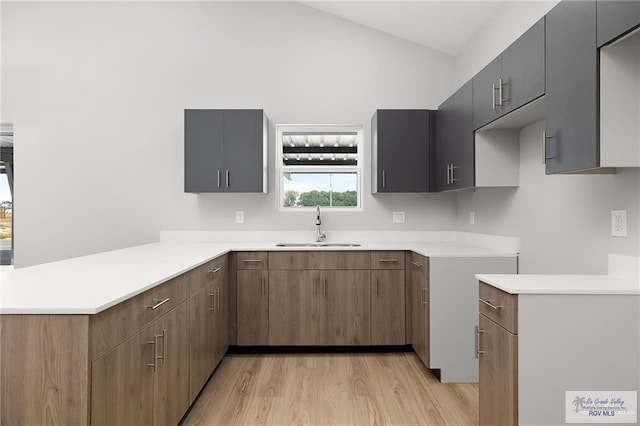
(398, 217)
(618, 223)
(240, 216)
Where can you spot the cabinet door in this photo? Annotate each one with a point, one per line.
(523, 68)
(498, 384)
(202, 334)
(463, 147)
(615, 18)
(252, 307)
(345, 308)
(221, 305)
(445, 138)
(387, 307)
(122, 383)
(171, 381)
(244, 150)
(572, 87)
(203, 150)
(486, 93)
(402, 144)
(293, 307)
(420, 308)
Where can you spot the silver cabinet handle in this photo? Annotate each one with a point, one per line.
(424, 295)
(500, 84)
(478, 352)
(227, 177)
(157, 305)
(544, 147)
(164, 345)
(262, 285)
(388, 260)
(210, 273)
(154, 342)
(493, 96)
(212, 307)
(453, 171)
(448, 174)
(489, 304)
(218, 178)
(384, 179)
(416, 264)
(251, 260)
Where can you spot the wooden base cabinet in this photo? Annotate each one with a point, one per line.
(388, 307)
(420, 306)
(145, 380)
(532, 348)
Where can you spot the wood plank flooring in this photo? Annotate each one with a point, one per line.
(331, 389)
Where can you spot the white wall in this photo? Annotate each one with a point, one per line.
(96, 92)
(563, 221)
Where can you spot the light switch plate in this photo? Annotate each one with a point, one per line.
(240, 216)
(618, 223)
(398, 217)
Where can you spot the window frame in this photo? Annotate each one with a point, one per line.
(281, 168)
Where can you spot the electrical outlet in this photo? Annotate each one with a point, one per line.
(618, 223)
(472, 218)
(398, 217)
(240, 216)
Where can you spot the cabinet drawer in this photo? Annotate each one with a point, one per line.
(202, 276)
(499, 306)
(113, 326)
(387, 260)
(319, 260)
(253, 260)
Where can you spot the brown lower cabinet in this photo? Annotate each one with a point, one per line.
(145, 379)
(420, 306)
(387, 307)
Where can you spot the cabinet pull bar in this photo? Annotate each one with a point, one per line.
(213, 303)
(476, 341)
(500, 84)
(251, 260)
(262, 285)
(453, 171)
(544, 147)
(489, 304)
(384, 179)
(324, 287)
(493, 96)
(164, 345)
(157, 305)
(218, 178)
(416, 264)
(388, 260)
(227, 177)
(424, 292)
(155, 352)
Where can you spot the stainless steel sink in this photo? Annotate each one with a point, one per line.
(317, 245)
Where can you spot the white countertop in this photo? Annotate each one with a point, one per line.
(91, 284)
(561, 284)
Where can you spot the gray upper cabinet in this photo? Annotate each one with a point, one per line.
(616, 18)
(511, 80)
(401, 150)
(225, 150)
(454, 147)
(571, 88)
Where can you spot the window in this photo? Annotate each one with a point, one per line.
(6, 194)
(319, 165)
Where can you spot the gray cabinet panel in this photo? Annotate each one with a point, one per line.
(401, 140)
(203, 150)
(616, 18)
(455, 150)
(523, 68)
(243, 130)
(485, 99)
(572, 87)
(224, 151)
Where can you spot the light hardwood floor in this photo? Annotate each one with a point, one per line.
(331, 389)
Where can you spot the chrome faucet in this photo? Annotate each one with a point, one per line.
(320, 236)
